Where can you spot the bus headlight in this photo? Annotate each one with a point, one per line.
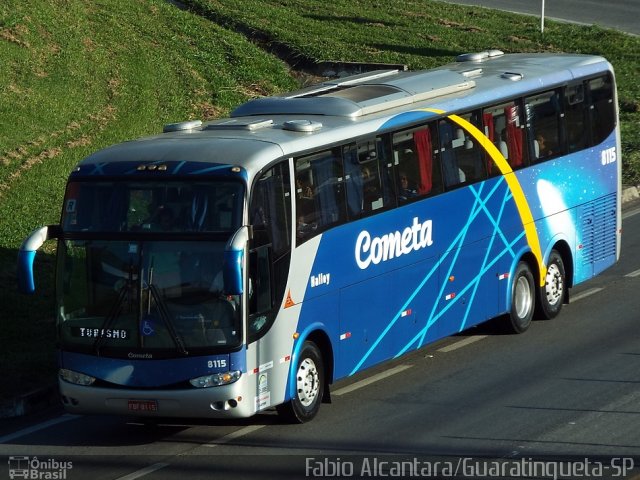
(215, 380)
(76, 377)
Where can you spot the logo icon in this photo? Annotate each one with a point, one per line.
(26, 467)
(18, 467)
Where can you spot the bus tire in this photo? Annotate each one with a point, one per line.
(551, 295)
(310, 384)
(522, 299)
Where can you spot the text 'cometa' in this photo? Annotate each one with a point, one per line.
(392, 245)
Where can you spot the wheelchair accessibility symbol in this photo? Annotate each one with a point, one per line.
(147, 328)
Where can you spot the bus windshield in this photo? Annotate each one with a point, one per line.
(115, 297)
(140, 268)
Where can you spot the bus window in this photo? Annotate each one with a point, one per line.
(417, 167)
(543, 123)
(270, 210)
(153, 206)
(463, 160)
(602, 108)
(575, 115)
(367, 184)
(319, 193)
(261, 300)
(503, 125)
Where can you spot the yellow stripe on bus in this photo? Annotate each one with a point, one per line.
(515, 187)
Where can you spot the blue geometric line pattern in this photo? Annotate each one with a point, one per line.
(496, 232)
(479, 206)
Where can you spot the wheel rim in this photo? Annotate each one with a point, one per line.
(308, 382)
(554, 287)
(523, 299)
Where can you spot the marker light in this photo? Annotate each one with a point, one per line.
(75, 377)
(216, 379)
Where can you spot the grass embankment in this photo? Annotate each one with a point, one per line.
(77, 76)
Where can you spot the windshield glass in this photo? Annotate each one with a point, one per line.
(153, 206)
(115, 297)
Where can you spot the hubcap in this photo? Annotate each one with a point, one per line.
(308, 382)
(553, 284)
(523, 300)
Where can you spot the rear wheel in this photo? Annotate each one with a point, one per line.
(522, 299)
(309, 381)
(551, 295)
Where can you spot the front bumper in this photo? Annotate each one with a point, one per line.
(236, 400)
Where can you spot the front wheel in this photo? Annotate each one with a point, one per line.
(551, 295)
(522, 299)
(309, 386)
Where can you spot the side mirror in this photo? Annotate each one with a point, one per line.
(27, 254)
(233, 261)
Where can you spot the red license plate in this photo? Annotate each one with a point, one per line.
(143, 405)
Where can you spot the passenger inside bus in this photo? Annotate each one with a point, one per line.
(162, 220)
(406, 188)
(542, 147)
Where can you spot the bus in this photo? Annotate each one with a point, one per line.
(223, 268)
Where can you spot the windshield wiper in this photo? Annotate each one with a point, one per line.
(165, 315)
(115, 310)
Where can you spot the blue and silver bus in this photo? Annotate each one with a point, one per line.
(223, 268)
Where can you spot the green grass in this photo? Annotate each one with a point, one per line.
(77, 76)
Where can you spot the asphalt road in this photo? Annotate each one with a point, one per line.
(619, 14)
(568, 390)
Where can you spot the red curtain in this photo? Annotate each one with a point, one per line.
(487, 121)
(514, 136)
(422, 141)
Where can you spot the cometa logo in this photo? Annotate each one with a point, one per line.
(392, 245)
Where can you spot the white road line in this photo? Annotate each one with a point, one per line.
(633, 274)
(143, 471)
(585, 294)
(462, 343)
(630, 213)
(370, 380)
(234, 435)
(38, 427)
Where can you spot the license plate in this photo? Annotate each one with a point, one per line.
(143, 405)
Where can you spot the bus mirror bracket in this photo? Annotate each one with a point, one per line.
(27, 255)
(233, 260)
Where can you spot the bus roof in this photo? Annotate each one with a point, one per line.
(265, 129)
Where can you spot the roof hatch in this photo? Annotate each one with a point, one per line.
(479, 56)
(235, 124)
(182, 126)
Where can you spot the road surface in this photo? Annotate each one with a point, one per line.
(566, 393)
(622, 15)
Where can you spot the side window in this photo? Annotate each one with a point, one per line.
(602, 108)
(320, 201)
(463, 159)
(260, 291)
(270, 254)
(503, 125)
(543, 125)
(416, 164)
(270, 211)
(367, 179)
(575, 115)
